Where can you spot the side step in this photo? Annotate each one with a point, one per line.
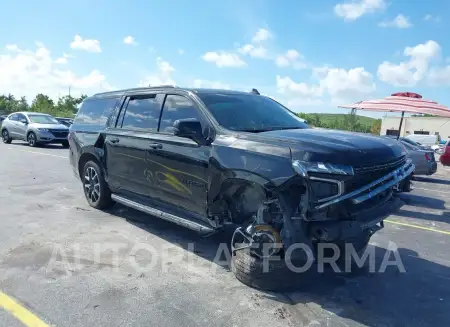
(196, 226)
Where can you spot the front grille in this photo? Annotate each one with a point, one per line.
(59, 133)
(367, 174)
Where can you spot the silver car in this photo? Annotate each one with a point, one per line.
(35, 128)
(424, 160)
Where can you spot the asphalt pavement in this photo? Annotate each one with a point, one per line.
(71, 265)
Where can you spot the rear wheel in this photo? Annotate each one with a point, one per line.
(95, 188)
(65, 144)
(31, 139)
(5, 137)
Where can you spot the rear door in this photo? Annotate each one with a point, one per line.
(12, 125)
(127, 145)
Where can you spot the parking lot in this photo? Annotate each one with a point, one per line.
(44, 213)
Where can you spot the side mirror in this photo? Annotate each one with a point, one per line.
(189, 128)
(192, 129)
(24, 121)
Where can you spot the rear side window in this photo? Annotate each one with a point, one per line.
(177, 107)
(142, 113)
(95, 111)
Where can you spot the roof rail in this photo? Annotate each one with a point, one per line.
(161, 86)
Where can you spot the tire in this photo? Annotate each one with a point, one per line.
(95, 188)
(32, 140)
(65, 144)
(6, 138)
(273, 275)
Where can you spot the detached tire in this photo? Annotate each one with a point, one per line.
(95, 188)
(264, 274)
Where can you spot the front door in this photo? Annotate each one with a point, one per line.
(21, 126)
(177, 167)
(127, 145)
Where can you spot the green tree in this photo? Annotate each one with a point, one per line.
(43, 103)
(376, 127)
(23, 105)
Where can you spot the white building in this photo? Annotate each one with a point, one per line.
(417, 125)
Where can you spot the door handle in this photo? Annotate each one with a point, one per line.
(115, 140)
(155, 146)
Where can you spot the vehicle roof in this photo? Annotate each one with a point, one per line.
(30, 113)
(164, 88)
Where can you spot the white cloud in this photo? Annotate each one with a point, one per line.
(28, 72)
(287, 85)
(410, 72)
(85, 44)
(356, 9)
(253, 51)
(61, 60)
(399, 22)
(180, 51)
(12, 47)
(339, 84)
(292, 58)
(346, 85)
(431, 18)
(439, 76)
(262, 35)
(162, 76)
(199, 83)
(129, 40)
(224, 59)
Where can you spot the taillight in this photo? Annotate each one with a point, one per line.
(427, 156)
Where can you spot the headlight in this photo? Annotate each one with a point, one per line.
(43, 129)
(303, 168)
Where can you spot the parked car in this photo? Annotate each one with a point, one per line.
(445, 157)
(64, 121)
(424, 160)
(2, 118)
(206, 159)
(411, 142)
(35, 128)
(425, 140)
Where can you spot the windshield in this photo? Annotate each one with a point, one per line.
(250, 113)
(410, 141)
(42, 119)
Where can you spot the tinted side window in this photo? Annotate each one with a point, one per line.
(13, 117)
(21, 117)
(142, 113)
(177, 107)
(95, 111)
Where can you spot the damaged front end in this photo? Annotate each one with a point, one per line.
(327, 203)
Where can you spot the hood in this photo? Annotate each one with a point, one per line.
(338, 147)
(50, 126)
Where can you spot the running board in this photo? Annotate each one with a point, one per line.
(198, 227)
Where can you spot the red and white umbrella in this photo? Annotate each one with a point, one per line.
(402, 102)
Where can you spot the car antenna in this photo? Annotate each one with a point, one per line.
(255, 91)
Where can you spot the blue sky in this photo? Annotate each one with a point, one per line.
(310, 55)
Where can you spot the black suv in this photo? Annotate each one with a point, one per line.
(206, 159)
